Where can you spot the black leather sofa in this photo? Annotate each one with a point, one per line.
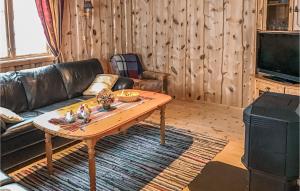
(7, 183)
(33, 92)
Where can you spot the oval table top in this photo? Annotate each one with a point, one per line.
(100, 127)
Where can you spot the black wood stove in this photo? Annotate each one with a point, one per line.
(272, 142)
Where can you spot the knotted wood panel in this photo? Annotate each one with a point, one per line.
(207, 47)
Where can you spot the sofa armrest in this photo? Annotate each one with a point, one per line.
(14, 187)
(155, 75)
(4, 179)
(18, 127)
(123, 83)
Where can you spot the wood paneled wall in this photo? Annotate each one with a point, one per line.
(208, 46)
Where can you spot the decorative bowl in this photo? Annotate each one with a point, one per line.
(128, 96)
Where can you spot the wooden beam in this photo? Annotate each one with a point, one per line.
(213, 49)
(95, 31)
(195, 51)
(232, 65)
(177, 17)
(249, 54)
(10, 28)
(117, 30)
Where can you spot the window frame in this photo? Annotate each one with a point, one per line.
(10, 34)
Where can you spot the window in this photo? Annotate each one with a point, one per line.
(21, 30)
(3, 35)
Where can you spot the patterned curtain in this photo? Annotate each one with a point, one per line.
(51, 15)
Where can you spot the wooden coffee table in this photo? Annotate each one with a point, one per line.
(112, 124)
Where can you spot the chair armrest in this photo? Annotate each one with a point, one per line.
(154, 75)
(160, 76)
(123, 83)
(137, 83)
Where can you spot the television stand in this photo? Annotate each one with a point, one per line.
(275, 78)
(264, 83)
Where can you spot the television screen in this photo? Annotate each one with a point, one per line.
(278, 55)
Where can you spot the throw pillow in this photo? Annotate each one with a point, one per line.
(100, 82)
(9, 116)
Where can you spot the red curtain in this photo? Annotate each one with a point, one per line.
(51, 15)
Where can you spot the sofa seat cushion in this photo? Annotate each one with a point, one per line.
(43, 86)
(79, 75)
(12, 93)
(58, 105)
(29, 115)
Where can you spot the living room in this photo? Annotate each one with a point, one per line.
(149, 95)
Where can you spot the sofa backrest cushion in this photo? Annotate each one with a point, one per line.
(43, 86)
(78, 75)
(12, 93)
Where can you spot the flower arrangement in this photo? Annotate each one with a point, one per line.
(105, 97)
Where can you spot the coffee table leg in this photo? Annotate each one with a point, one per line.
(162, 124)
(92, 167)
(48, 146)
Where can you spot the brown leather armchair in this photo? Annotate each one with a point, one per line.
(129, 65)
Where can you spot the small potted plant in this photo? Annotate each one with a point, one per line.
(106, 98)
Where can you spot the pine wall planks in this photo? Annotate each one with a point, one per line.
(207, 46)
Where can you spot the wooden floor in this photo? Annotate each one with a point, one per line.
(225, 172)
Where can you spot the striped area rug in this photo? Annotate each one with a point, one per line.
(132, 161)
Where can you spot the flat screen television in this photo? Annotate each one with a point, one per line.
(278, 55)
